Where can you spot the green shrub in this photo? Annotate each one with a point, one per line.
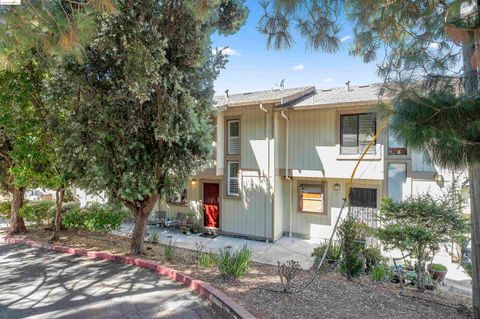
(154, 238)
(334, 252)
(96, 218)
(103, 218)
(207, 260)
(373, 257)
(467, 266)
(37, 212)
(235, 263)
(5, 210)
(380, 272)
(170, 251)
(73, 217)
(351, 265)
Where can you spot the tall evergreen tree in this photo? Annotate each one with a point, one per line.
(142, 99)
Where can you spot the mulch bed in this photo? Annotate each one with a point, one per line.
(329, 296)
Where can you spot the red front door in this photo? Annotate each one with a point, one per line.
(211, 208)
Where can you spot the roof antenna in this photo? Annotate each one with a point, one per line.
(226, 93)
(347, 85)
(281, 85)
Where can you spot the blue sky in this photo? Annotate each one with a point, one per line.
(253, 67)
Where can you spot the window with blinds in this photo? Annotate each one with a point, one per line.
(312, 198)
(233, 137)
(233, 188)
(356, 132)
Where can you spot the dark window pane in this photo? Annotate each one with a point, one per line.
(363, 197)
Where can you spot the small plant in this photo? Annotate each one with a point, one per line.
(467, 266)
(195, 228)
(334, 252)
(205, 258)
(5, 210)
(154, 238)
(287, 271)
(351, 265)
(185, 230)
(381, 273)
(438, 267)
(235, 263)
(170, 251)
(373, 257)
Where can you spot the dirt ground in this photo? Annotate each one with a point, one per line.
(329, 295)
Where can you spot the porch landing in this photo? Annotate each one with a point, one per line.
(284, 249)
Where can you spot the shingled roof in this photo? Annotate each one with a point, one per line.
(270, 96)
(337, 96)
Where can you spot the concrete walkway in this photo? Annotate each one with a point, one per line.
(36, 283)
(286, 248)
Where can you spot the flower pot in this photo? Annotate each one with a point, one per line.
(438, 275)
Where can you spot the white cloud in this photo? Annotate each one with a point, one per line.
(328, 80)
(227, 51)
(299, 67)
(345, 38)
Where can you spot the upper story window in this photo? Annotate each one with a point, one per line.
(395, 145)
(356, 132)
(233, 137)
(312, 198)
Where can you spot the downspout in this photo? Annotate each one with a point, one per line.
(268, 159)
(287, 146)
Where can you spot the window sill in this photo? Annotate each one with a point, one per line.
(312, 213)
(354, 157)
(237, 197)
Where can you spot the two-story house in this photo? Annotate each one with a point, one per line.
(282, 159)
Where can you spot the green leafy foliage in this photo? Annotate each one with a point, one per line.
(334, 252)
(40, 212)
(207, 259)
(95, 218)
(381, 272)
(373, 257)
(418, 226)
(170, 251)
(234, 263)
(5, 208)
(438, 267)
(351, 265)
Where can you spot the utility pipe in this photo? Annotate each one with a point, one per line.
(287, 146)
(268, 159)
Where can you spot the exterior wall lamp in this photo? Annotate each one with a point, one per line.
(194, 182)
(336, 187)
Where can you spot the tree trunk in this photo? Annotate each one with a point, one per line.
(17, 225)
(59, 195)
(141, 213)
(474, 180)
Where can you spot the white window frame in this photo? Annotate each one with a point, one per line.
(229, 138)
(230, 178)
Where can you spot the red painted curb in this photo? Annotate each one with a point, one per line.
(201, 287)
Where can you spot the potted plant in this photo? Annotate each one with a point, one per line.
(437, 271)
(185, 230)
(195, 228)
(189, 219)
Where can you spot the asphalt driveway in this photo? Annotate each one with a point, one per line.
(35, 283)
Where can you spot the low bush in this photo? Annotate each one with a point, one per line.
(5, 209)
(38, 212)
(207, 259)
(467, 266)
(351, 264)
(380, 272)
(334, 252)
(373, 257)
(103, 218)
(170, 251)
(287, 271)
(154, 238)
(234, 263)
(96, 218)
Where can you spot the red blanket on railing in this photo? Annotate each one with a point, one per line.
(211, 216)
